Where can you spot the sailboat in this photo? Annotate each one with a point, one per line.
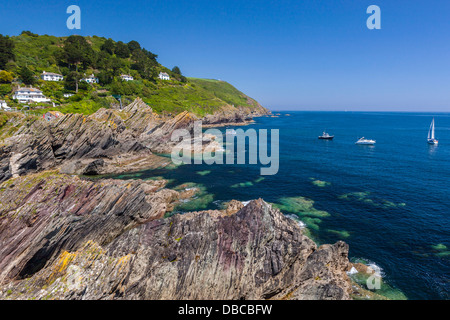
(431, 138)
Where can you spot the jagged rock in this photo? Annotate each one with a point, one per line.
(75, 141)
(233, 206)
(62, 237)
(235, 115)
(113, 245)
(43, 214)
(94, 168)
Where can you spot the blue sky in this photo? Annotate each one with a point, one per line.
(289, 55)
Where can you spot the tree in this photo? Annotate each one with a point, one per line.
(108, 46)
(122, 50)
(27, 76)
(6, 51)
(115, 65)
(71, 81)
(150, 55)
(6, 77)
(144, 65)
(105, 77)
(29, 33)
(103, 61)
(133, 45)
(5, 89)
(176, 70)
(77, 52)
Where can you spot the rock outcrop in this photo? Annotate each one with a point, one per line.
(108, 141)
(66, 238)
(42, 214)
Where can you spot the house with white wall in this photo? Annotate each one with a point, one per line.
(163, 76)
(50, 76)
(4, 105)
(126, 77)
(29, 95)
(90, 79)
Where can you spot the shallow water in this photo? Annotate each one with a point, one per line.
(390, 202)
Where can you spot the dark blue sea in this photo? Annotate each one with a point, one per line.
(390, 202)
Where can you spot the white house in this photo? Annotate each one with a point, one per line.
(90, 79)
(26, 95)
(49, 76)
(163, 76)
(4, 106)
(67, 95)
(126, 77)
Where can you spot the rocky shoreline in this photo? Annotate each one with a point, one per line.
(66, 237)
(108, 141)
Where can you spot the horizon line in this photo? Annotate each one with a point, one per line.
(388, 111)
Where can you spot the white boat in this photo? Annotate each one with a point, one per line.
(431, 138)
(326, 136)
(231, 131)
(365, 141)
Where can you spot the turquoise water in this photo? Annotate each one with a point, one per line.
(390, 202)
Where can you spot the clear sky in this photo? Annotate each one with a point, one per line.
(288, 55)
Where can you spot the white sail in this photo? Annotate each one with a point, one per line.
(431, 131)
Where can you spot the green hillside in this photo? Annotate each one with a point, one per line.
(27, 56)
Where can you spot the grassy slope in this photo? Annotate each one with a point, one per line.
(224, 91)
(200, 96)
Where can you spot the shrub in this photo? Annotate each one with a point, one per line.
(5, 89)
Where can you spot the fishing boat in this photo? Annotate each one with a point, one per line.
(326, 136)
(365, 141)
(431, 139)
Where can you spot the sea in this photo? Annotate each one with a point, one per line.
(390, 202)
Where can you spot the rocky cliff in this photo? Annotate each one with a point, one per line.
(67, 238)
(108, 141)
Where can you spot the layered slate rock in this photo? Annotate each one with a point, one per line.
(42, 215)
(75, 142)
(128, 252)
(108, 141)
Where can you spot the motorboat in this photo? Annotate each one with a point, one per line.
(365, 141)
(326, 136)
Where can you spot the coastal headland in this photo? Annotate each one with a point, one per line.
(69, 233)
